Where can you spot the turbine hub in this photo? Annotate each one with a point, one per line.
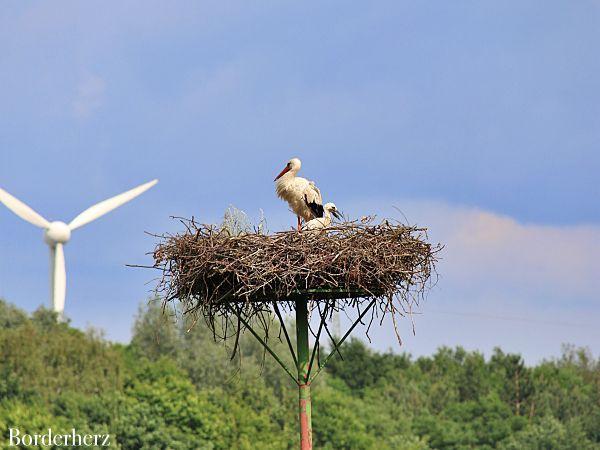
(57, 233)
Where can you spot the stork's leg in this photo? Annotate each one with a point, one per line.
(299, 224)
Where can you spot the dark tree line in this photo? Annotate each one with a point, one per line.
(173, 389)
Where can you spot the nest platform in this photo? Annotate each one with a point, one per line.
(209, 270)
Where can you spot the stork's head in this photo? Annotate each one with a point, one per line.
(332, 209)
(293, 166)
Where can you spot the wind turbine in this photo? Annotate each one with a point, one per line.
(57, 234)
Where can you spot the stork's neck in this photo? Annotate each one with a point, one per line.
(287, 177)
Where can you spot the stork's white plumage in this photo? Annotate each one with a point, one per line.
(301, 194)
(322, 222)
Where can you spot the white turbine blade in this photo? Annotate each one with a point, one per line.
(106, 206)
(22, 210)
(58, 278)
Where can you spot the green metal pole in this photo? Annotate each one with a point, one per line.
(303, 353)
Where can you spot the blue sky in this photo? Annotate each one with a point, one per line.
(480, 120)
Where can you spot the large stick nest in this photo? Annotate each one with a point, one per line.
(215, 273)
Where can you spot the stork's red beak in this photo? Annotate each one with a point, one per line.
(283, 172)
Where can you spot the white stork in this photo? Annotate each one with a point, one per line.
(302, 195)
(323, 222)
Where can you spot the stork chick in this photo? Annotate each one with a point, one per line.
(323, 222)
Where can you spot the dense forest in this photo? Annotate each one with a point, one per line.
(173, 389)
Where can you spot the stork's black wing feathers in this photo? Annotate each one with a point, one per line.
(316, 208)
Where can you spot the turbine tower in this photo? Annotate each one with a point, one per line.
(57, 234)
